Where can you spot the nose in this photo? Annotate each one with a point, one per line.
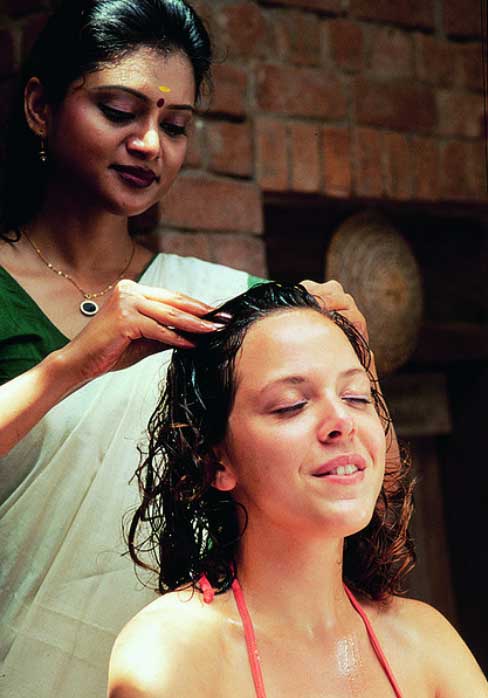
(336, 422)
(145, 144)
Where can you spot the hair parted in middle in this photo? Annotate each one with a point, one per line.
(185, 526)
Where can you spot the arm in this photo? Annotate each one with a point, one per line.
(135, 322)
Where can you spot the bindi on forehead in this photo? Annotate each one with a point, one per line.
(161, 102)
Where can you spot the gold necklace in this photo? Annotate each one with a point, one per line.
(88, 306)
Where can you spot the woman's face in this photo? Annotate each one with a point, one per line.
(118, 140)
(305, 448)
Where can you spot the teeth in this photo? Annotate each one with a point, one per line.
(344, 470)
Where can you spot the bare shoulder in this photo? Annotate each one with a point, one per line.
(175, 631)
(425, 639)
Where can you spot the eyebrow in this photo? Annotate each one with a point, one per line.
(298, 380)
(143, 97)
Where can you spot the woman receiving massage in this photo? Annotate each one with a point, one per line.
(277, 525)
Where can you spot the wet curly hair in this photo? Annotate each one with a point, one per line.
(184, 527)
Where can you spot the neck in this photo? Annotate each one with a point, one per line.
(294, 579)
(79, 235)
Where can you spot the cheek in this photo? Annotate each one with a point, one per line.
(266, 450)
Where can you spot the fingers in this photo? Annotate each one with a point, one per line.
(166, 337)
(174, 318)
(330, 292)
(336, 299)
(162, 295)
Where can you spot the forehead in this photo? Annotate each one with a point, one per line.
(148, 70)
(293, 341)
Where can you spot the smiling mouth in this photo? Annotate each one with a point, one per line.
(349, 469)
(344, 465)
(136, 176)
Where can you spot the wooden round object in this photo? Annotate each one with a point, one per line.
(374, 263)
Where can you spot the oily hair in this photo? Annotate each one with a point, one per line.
(184, 527)
(81, 37)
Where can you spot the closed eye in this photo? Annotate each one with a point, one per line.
(173, 130)
(358, 399)
(290, 409)
(117, 116)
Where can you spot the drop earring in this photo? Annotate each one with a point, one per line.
(43, 152)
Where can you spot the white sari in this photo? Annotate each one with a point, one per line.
(66, 586)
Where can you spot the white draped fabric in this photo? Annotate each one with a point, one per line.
(66, 587)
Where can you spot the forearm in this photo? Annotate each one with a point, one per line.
(24, 400)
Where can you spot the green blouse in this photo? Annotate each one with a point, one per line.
(26, 334)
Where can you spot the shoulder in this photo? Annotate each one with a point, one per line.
(177, 630)
(425, 639)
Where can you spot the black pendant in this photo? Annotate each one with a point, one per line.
(89, 308)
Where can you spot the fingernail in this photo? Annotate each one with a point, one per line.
(223, 315)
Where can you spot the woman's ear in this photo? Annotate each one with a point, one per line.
(224, 478)
(37, 109)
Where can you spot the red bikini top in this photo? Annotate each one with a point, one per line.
(252, 650)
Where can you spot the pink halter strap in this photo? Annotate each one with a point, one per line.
(252, 650)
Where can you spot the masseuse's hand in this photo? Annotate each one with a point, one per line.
(135, 321)
(335, 298)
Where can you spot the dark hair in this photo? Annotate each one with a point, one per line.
(81, 37)
(188, 527)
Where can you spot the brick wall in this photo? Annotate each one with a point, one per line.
(341, 98)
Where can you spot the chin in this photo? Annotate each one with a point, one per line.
(349, 520)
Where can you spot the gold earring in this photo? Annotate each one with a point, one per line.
(43, 152)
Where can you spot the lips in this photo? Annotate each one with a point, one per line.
(345, 465)
(138, 176)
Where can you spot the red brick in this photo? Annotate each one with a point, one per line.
(229, 148)
(194, 155)
(456, 173)
(305, 161)
(462, 18)
(186, 244)
(460, 113)
(398, 170)
(435, 60)
(391, 53)
(240, 252)
(368, 162)
(346, 43)
(271, 154)
(400, 107)
(243, 31)
(411, 13)
(230, 91)
(7, 58)
(337, 161)
(31, 30)
(297, 37)
(470, 66)
(318, 5)
(300, 91)
(425, 153)
(202, 203)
